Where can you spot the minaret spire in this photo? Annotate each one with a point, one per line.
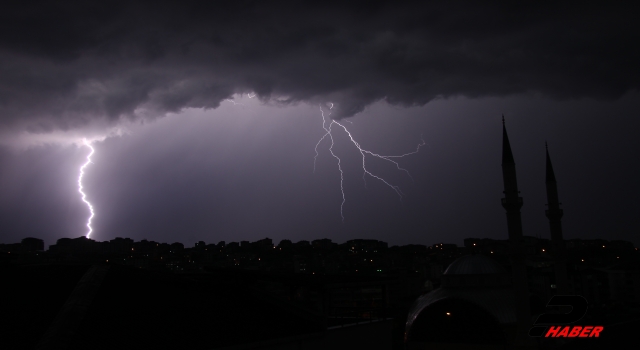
(554, 214)
(512, 202)
(507, 155)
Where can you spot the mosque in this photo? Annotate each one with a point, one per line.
(480, 305)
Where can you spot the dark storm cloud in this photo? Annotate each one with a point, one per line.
(63, 64)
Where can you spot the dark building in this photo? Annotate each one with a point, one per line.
(264, 244)
(28, 244)
(31, 244)
(177, 247)
(486, 245)
(324, 243)
(366, 245)
(285, 244)
(11, 247)
(411, 249)
(80, 245)
(120, 245)
(624, 283)
(302, 247)
(302, 243)
(232, 247)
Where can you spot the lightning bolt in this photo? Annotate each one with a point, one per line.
(363, 152)
(84, 196)
(234, 102)
(328, 133)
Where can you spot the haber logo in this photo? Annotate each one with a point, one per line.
(557, 325)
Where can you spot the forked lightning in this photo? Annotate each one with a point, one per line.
(363, 152)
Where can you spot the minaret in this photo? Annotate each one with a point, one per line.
(512, 202)
(554, 213)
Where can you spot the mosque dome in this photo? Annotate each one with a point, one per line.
(474, 285)
(474, 265)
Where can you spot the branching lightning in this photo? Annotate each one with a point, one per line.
(250, 95)
(363, 152)
(84, 196)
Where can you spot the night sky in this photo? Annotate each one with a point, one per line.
(205, 119)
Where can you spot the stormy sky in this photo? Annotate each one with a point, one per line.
(205, 119)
